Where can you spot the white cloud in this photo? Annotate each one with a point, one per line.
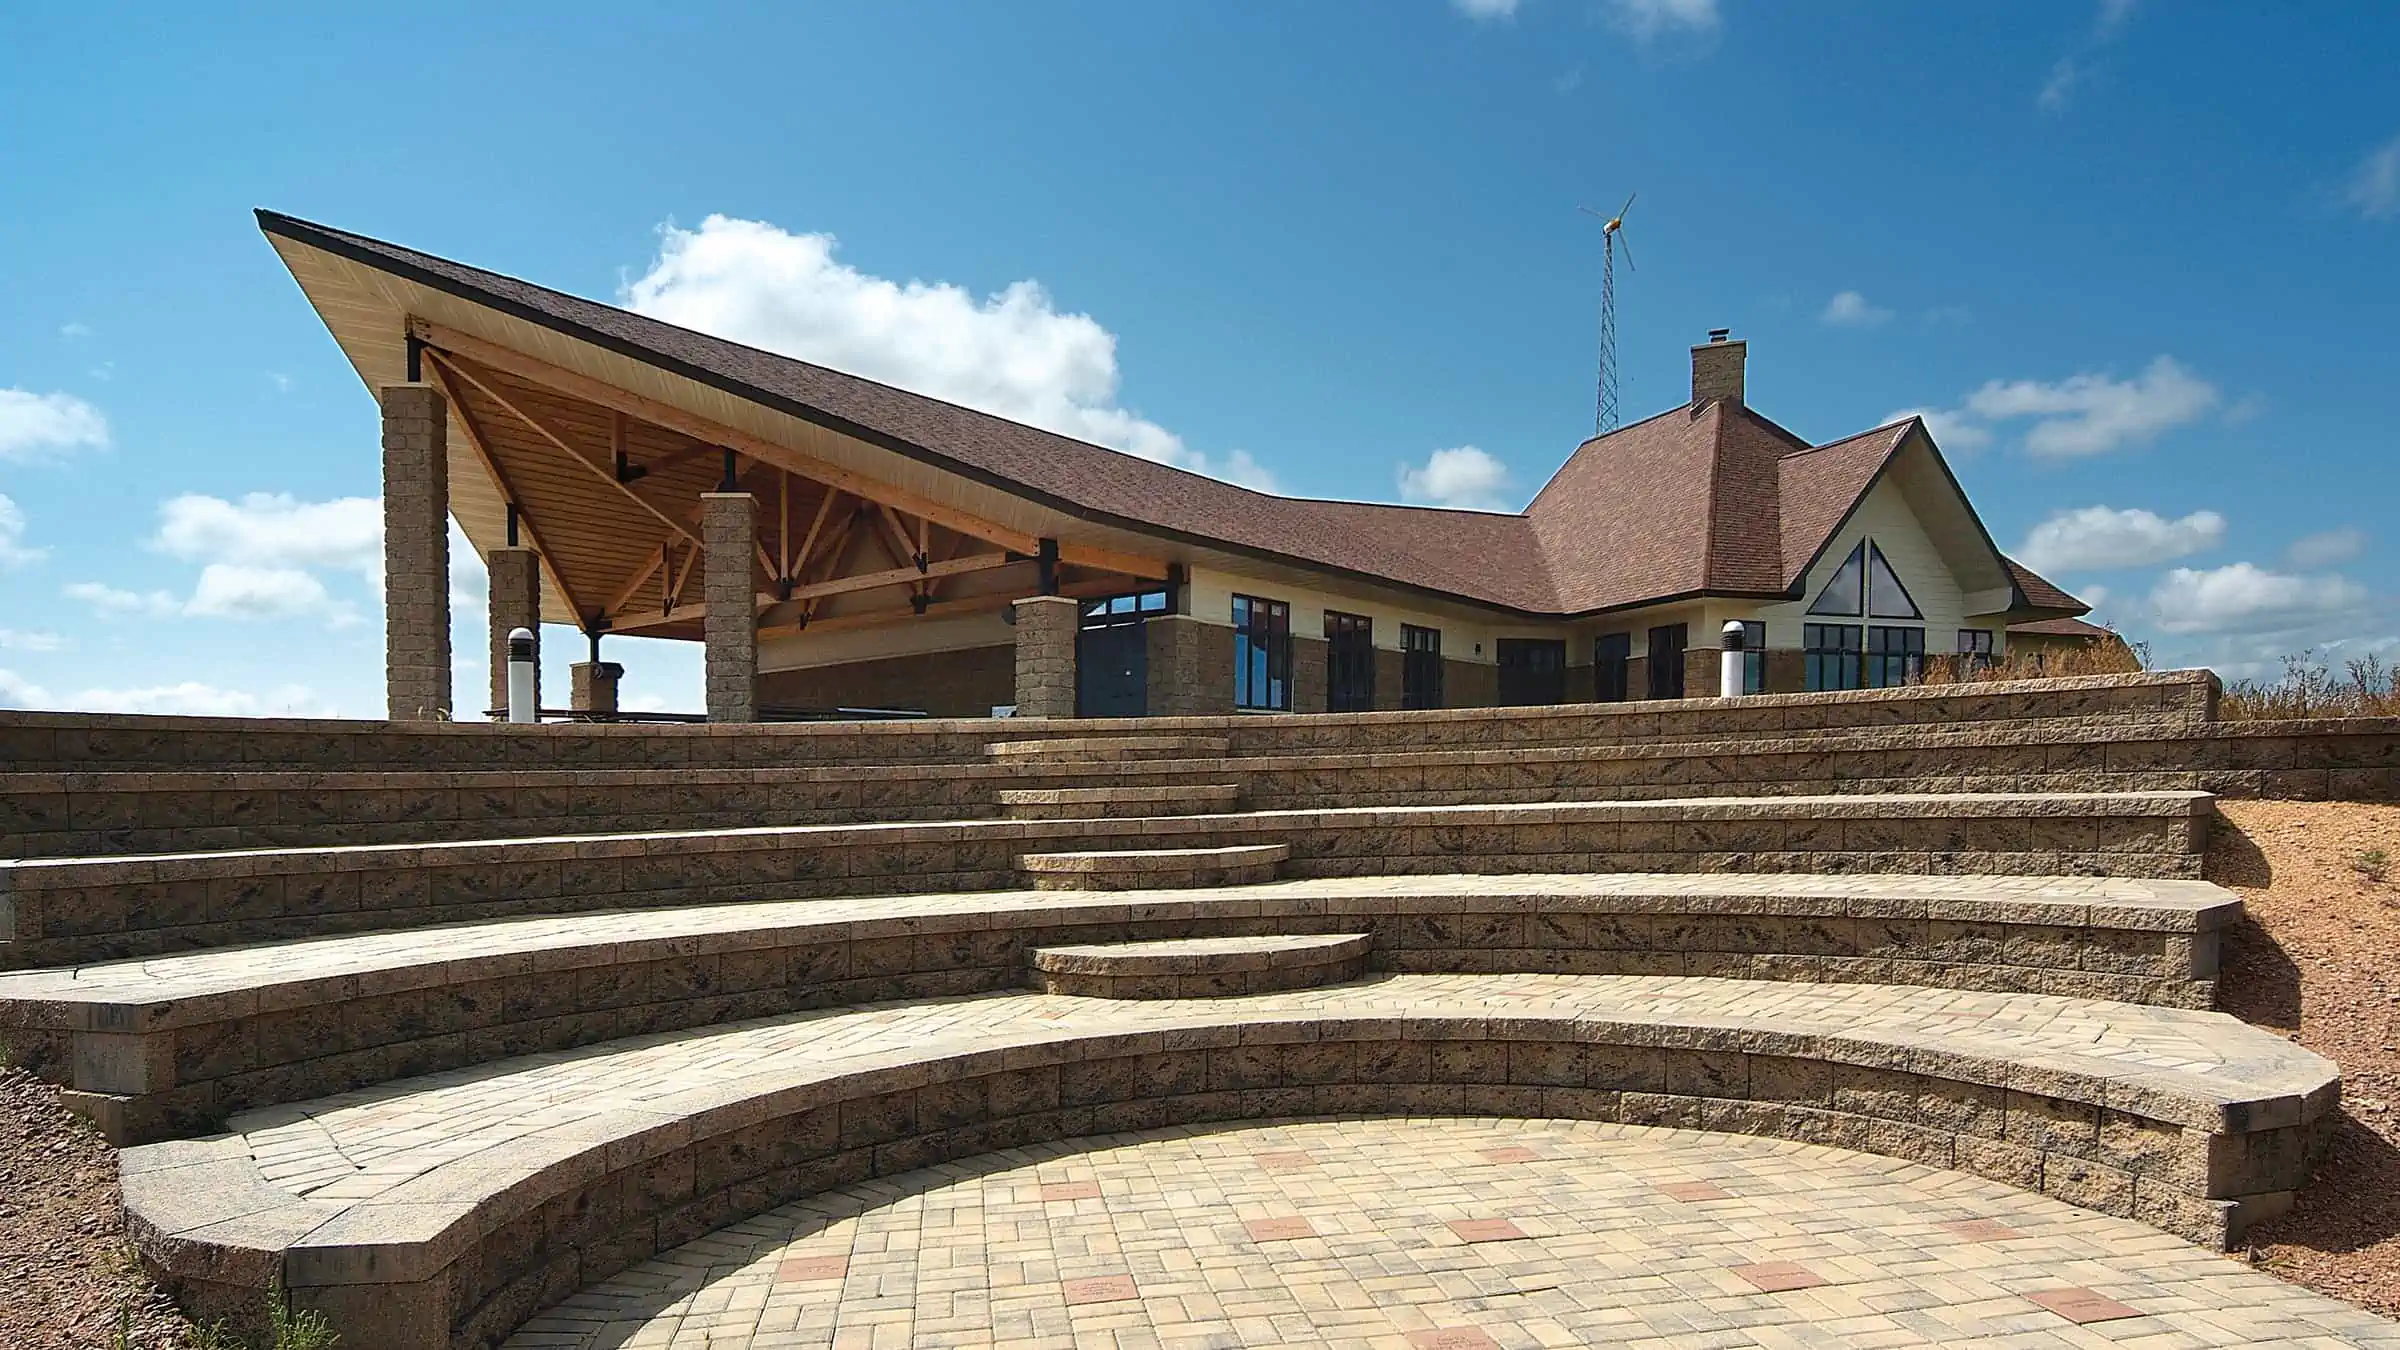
(281, 381)
(1648, 19)
(2327, 547)
(2098, 537)
(1012, 354)
(238, 591)
(2375, 188)
(37, 424)
(75, 331)
(2243, 598)
(108, 599)
(194, 699)
(2086, 414)
(18, 692)
(1486, 9)
(275, 530)
(16, 639)
(1464, 476)
(2091, 414)
(2091, 593)
(1950, 430)
(14, 551)
(2078, 64)
(2060, 87)
(1851, 310)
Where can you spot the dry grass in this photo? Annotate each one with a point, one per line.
(2309, 688)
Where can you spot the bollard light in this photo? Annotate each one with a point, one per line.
(523, 706)
(1729, 661)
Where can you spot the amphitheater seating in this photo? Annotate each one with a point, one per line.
(436, 1025)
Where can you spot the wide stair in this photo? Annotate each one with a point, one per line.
(433, 1076)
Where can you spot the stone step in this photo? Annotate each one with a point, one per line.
(1127, 746)
(1087, 802)
(442, 1211)
(52, 815)
(1129, 869)
(60, 911)
(1214, 967)
(159, 1046)
(84, 742)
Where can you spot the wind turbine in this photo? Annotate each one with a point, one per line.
(1612, 229)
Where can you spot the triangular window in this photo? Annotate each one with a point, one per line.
(1886, 597)
(1845, 595)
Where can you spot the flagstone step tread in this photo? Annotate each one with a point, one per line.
(401, 1205)
(1070, 803)
(1120, 869)
(1129, 746)
(1215, 967)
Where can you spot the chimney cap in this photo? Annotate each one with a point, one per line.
(1719, 334)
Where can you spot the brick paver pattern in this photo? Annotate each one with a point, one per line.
(1188, 1243)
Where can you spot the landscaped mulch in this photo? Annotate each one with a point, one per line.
(2320, 961)
(67, 1280)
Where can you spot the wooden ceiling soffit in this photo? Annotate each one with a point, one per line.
(510, 498)
(575, 385)
(604, 473)
(973, 604)
(1109, 560)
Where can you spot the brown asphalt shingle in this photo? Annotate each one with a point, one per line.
(1716, 500)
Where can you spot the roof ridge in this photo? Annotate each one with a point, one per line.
(1807, 449)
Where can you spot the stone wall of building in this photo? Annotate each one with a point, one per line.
(1308, 674)
(416, 553)
(1184, 680)
(966, 683)
(1045, 656)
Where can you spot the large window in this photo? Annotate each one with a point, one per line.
(1895, 656)
(1612, 660)
(1349, 662)
(1420, 667)
(1262, 654)
(1754, 656)
(1533, 671)
(1832, 652)
(1666, 660)
(1121, 609)
(1865, 586)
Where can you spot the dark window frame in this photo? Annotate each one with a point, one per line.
(1612, 667)
(1976, 649)
(1131, 607)
(1834, 655)
(1262, 654)
(1754, 655)
(1895, 655)
(1531, 684)
(1349, 662)
(1665, 677)
(1420, 667)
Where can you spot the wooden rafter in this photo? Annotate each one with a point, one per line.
(606, 474)
(576, 385)
(867, 581)
(509, 497)
(635, 582)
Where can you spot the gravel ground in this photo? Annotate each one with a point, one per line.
(2320, 961)
(67, 1281)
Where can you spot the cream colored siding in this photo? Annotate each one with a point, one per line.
(904, 636)
(1212, 602)
(1885, 517)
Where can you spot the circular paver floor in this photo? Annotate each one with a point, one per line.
(1447, 1234)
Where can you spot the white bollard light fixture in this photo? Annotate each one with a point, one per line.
(523, 705)
(1729, 660)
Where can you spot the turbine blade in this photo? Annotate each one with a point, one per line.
(1619, 236)
(1628, 204)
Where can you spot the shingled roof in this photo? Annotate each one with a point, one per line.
(1715, 500)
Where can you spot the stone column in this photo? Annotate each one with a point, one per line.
(516, 603)
(1046, 627)
(416, 553)
(1309, 658)
(728, 538)
(594, 686)
(1181, 685)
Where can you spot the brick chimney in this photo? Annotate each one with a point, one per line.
(1717, 368)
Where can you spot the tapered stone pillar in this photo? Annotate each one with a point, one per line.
(1046, 626)
(728, 538)
(416, 553)
(516, 603)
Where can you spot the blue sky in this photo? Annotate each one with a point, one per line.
(2140, 263)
